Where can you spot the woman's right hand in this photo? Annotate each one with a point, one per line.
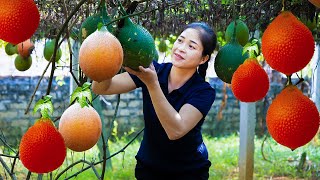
(147, 75)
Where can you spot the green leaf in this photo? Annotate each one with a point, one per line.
(75, 94)
(45, 105)
(82, 95)
(83, 102)
(99, 26)
(252, 48)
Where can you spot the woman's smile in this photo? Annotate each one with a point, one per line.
(178, 56)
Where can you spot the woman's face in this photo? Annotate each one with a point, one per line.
(187, 49)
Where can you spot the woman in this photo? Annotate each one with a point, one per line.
(176, 99)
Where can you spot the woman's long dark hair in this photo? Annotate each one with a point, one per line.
(209, 41)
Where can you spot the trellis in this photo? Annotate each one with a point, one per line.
(166, 17)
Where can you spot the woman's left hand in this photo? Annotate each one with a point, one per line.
(147, 75)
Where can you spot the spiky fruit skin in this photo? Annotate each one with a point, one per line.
(138, 45)
(287, 44)
(42, 147)
(250, 81)
(100, 56)
(228, 59)
(49, 50)
(80, 127)
(22, 64)
(242, 32)
(292, 118)
(18, 20)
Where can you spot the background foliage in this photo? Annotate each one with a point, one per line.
(165, 17)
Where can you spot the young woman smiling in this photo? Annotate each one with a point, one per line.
(176, 100)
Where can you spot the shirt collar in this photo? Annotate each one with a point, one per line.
(164, 74)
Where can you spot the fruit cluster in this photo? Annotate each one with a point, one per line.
(287, 46)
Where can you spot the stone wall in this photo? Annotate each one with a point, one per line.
(15, 93)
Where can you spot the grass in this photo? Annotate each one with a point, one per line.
(280, 161)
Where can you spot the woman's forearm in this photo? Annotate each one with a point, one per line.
(102, 87)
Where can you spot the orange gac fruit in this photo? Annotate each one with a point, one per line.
(292, 118)
(250, 82)
(25, 48)
(80, 127)
(100, 55)
(315, 3)
(287, 44)
(42, 147)
(18, 20)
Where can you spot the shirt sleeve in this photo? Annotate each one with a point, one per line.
(203, 100)
(136, 80)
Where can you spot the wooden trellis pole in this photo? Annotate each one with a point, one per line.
(246, 151)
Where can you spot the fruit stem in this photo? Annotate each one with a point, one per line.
(122, 9)
(130, 15)
(282, 5)
(289, 81)
(103, 11)
(234, 18)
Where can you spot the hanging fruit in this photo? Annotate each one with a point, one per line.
(42, 147)
(315, 2)
(250, 81)
(100, 55)
(163, 47)
(138, 45)
(49, 50)
(242, 32)
(228, 59)
(18, 20)
(22, 63)
(11, 49)
(80, 127)
(287, 44)
(292, 118)
(25, 48)
(90, 25)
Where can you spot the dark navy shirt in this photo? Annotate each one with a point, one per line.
(157, 151)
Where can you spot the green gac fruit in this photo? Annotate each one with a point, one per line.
(162, 46)
(49, 49)
(22, 64)
(11, 49)
(242, 32)
(228, 59)
(138, 45)
(90, 25)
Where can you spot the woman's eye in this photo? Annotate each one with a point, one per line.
(179, 40)
(191, 47)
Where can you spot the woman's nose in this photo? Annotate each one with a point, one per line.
(182, 47)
